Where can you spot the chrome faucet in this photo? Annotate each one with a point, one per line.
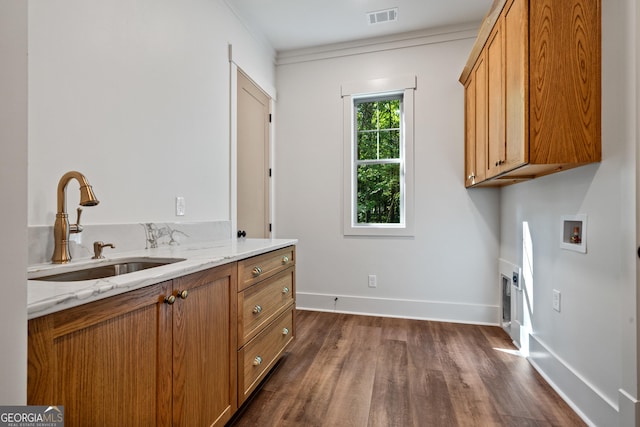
(62, 228)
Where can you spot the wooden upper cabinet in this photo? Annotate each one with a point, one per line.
(543, 109)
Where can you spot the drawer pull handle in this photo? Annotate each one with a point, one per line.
(285, 290)
(257, 309)
(256, 271)
(170, 299)
(257, 361)
(285, 331)
(285, 259)
(183, 294)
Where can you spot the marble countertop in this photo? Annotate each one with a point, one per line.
(48, 297)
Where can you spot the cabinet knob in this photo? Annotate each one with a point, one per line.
(257, 309)
(170, 299)
(256, 271)
(285, 290)
(257, 361)
(285, 259)
(285, 331)
(183, 294)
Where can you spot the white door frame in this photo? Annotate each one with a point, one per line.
(233, 145)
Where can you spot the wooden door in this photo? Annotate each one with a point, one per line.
(253, 159)
(107, 362)
(495, 101)
(204, 348)
(516, 28)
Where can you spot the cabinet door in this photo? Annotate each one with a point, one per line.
(516, 28)
(470, 132)
(105, 361)
(496, 104)
(476, 124)
(204, 348)
(481, 109)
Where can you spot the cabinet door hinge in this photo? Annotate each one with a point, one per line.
(269, 227)
(269, 171)
(269, 117)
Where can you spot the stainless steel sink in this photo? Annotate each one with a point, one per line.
(108, 269)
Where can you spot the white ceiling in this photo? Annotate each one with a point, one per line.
(296, 24)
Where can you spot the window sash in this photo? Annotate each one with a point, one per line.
(355, 204)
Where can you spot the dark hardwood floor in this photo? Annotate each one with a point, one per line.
(346, 370)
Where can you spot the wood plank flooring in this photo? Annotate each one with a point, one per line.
(346, 370)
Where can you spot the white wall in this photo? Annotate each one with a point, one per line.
(13, 193)
(448, 271)
(134, 94)
(588, 349)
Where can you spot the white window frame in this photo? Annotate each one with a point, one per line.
(405, 85)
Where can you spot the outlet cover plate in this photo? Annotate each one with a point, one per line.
(373, 281)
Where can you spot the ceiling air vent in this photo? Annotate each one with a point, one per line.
(380, 16)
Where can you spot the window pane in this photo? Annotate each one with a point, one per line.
(389, 114)
(378, 194)
(367, 114)
(390, 144)
(378, 129)
(367, 145)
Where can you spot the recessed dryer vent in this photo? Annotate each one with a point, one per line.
(380, 16)
(574, 233)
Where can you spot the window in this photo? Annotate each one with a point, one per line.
(378, 160)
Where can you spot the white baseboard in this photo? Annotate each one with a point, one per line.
(587, 401)
(409, 309)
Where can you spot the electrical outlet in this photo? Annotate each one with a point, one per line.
(180, 206)
(556, 300)
(373, 281)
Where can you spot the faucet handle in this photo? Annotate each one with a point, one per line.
(97, 249)
(76, 228)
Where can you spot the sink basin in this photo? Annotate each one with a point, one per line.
(107, 269)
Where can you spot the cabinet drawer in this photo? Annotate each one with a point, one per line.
(263, 302)
(257, 357)
(252, 270)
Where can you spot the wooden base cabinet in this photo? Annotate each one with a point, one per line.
(532, 91)
(163, 355)
(169, 354)
(266, 315)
